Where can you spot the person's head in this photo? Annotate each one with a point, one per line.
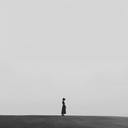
(63, 99)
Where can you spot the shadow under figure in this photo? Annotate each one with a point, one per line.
(63, 111)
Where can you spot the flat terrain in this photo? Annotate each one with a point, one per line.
(63, 122)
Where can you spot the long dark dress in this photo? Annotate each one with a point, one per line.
(63, 108)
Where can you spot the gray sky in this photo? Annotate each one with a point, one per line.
(77, 49)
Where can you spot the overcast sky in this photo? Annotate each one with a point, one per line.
(77, 49)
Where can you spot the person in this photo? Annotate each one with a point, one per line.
(63, 111)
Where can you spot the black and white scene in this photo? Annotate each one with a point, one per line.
(63, 63)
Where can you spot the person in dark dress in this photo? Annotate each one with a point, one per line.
(63, 111)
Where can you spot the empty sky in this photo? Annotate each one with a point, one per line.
(77, 49)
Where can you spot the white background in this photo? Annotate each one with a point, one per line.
(77, 49)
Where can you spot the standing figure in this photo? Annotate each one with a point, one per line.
(63, 111)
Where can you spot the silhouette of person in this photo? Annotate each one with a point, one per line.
(63, 111)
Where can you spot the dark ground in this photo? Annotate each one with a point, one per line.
(63, 122)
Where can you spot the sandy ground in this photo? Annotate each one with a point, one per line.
(63, 122)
